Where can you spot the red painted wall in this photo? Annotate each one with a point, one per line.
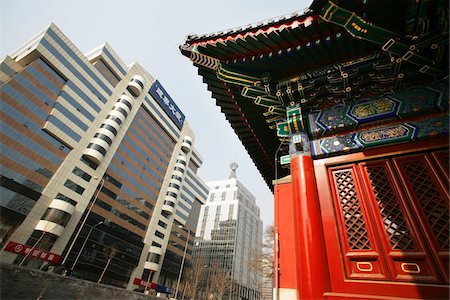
(285, 225)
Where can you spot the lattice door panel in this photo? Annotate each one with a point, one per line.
(443, 161)
(362, 258)
(405, 249)
(430, 202)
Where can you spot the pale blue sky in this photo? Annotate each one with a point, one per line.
(149, 32)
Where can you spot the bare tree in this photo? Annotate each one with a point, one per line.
(192, 277)
(220, 280)
(262, 262)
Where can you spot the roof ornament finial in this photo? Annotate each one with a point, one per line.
(233, 167)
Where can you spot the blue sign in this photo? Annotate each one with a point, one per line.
(167, 104)
(164, 289)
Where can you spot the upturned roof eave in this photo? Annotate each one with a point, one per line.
(291, 19)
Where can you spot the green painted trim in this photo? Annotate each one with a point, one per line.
(390, 41)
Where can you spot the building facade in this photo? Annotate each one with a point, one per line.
(96, 161)
(229, 237)
(344, 108)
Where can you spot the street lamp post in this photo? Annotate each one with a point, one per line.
(31, 250)
(35, 244)
(148, 281)
(182, 261)
(84, 244)
(84, 221)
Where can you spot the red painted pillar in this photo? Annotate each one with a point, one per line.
(286, 257)
(313, 279)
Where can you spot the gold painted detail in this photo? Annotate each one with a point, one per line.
(252, 88)
(359, 28)
(235, 78)
(388, 133)
(377, 107)
(252, 92)
(410, 268)
(204, 60)
(364, 266)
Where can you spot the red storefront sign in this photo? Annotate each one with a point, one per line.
(35, 253)
(142, 282)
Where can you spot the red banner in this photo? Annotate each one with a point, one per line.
(35, 253)
(142, 282)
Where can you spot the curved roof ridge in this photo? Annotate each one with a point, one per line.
(279, 20)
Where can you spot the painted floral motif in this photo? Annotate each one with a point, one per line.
(384, 133)
(412, 102)
(373, 108)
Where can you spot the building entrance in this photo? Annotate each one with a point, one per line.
(393, 217)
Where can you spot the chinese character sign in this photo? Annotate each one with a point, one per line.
(33, 253)
(168, 105)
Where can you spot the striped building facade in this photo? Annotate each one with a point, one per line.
(98, 165)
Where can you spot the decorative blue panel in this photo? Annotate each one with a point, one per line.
(380, 136)
(413, 102)
(167, 104)
(365, 111)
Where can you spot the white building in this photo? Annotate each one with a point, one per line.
(97, 160)
(229, 234)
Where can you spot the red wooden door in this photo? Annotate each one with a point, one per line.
(393, 218)
(427, 188)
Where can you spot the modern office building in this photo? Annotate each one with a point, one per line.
(229, 236)
(98, 165)
(344, 108)
(192, 196)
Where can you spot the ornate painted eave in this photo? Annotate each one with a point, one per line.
(334, 53)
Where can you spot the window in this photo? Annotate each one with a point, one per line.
(181, 162)
(170, 203)
(108, 192)
(56, 216)
(115, 119)
(80, 173)
(74, 187)
(172, 194)
(67, 199)
(154, 258)
(138, 82)
(121, 100)
(156, 244)
(159, 234)
(177, 178)
(174, 186)
(98, 148)
(89, 163)
(103, 137)
(110, 128)
(121, 110)
(179, 169)
(162, 224)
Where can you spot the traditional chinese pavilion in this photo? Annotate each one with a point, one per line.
(344, 109)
